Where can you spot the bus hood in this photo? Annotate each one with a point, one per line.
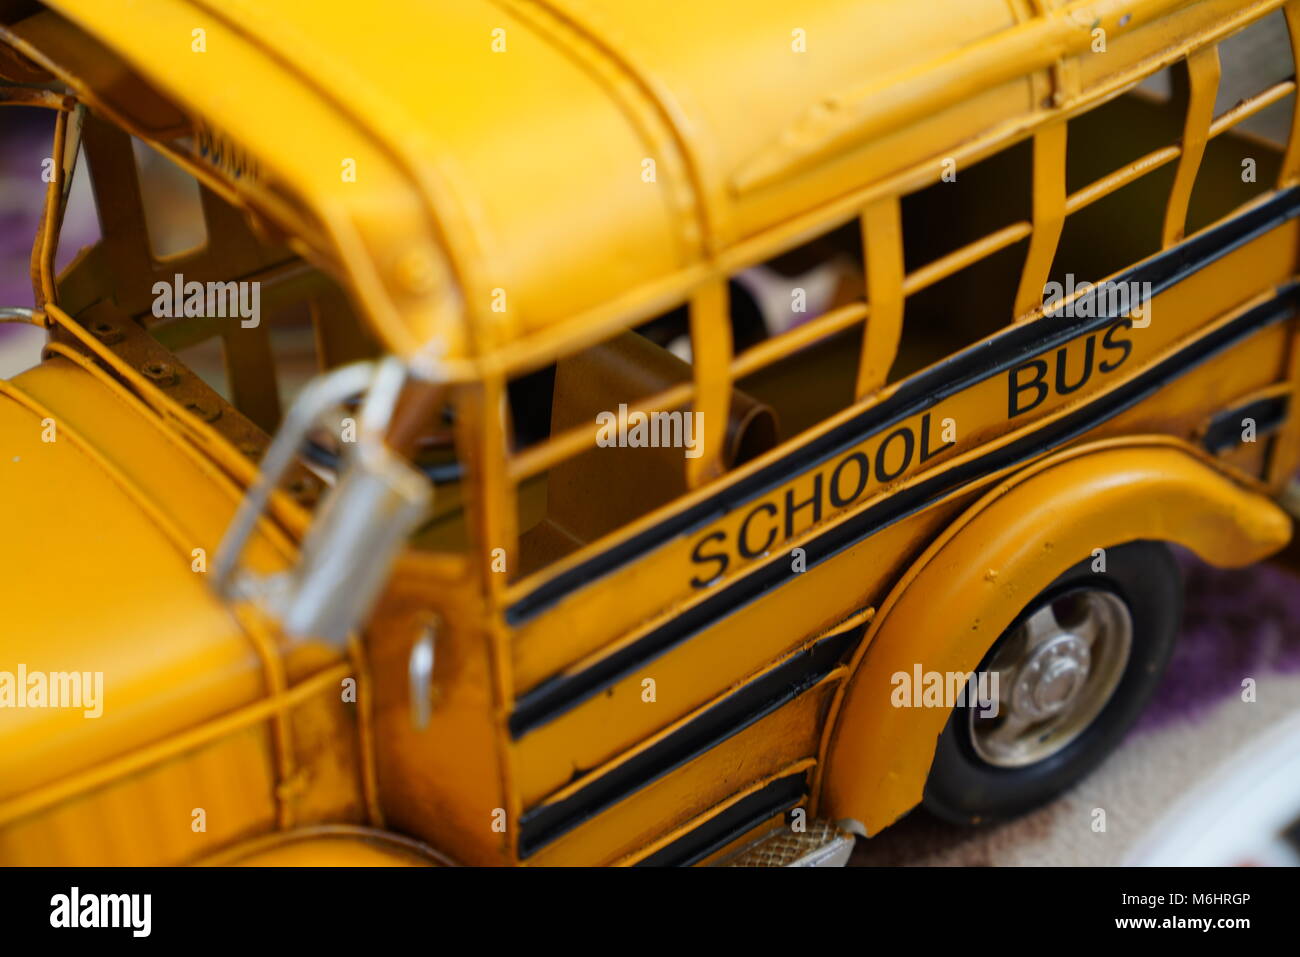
(110, 637)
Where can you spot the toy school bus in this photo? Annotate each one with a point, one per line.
(726, 429)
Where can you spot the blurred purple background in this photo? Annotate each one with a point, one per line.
(26, 138)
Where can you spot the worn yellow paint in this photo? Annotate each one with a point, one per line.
(757, 147)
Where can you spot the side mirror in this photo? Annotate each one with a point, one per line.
(361, 524)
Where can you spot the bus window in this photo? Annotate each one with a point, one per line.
(264, 321)
(225, 305)
(171, 202)
(1150, 116)
(1253, 113)
(603, 436)
(963, 247)
(1108, 231)
(952, 299)
(811, 302)
(750, 323)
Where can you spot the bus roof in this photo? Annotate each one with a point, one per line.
(528, 173)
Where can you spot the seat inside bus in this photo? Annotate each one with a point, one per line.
(604, 488)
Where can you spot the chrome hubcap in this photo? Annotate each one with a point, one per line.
(1055, 674)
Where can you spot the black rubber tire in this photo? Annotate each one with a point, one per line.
(965, 789)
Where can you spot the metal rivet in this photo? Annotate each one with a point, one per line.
(160, 372)
(106, 332)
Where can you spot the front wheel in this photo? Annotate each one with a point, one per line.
(1070, 676)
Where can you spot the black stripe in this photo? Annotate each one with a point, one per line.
(713, 835)
(561, 693)
(975, 364)
(1224, 431)
(728, 717)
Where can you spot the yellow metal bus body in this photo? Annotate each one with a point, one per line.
(630, 668)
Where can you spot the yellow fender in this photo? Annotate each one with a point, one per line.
(966, 588)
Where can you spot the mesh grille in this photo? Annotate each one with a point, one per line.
(786, 848)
